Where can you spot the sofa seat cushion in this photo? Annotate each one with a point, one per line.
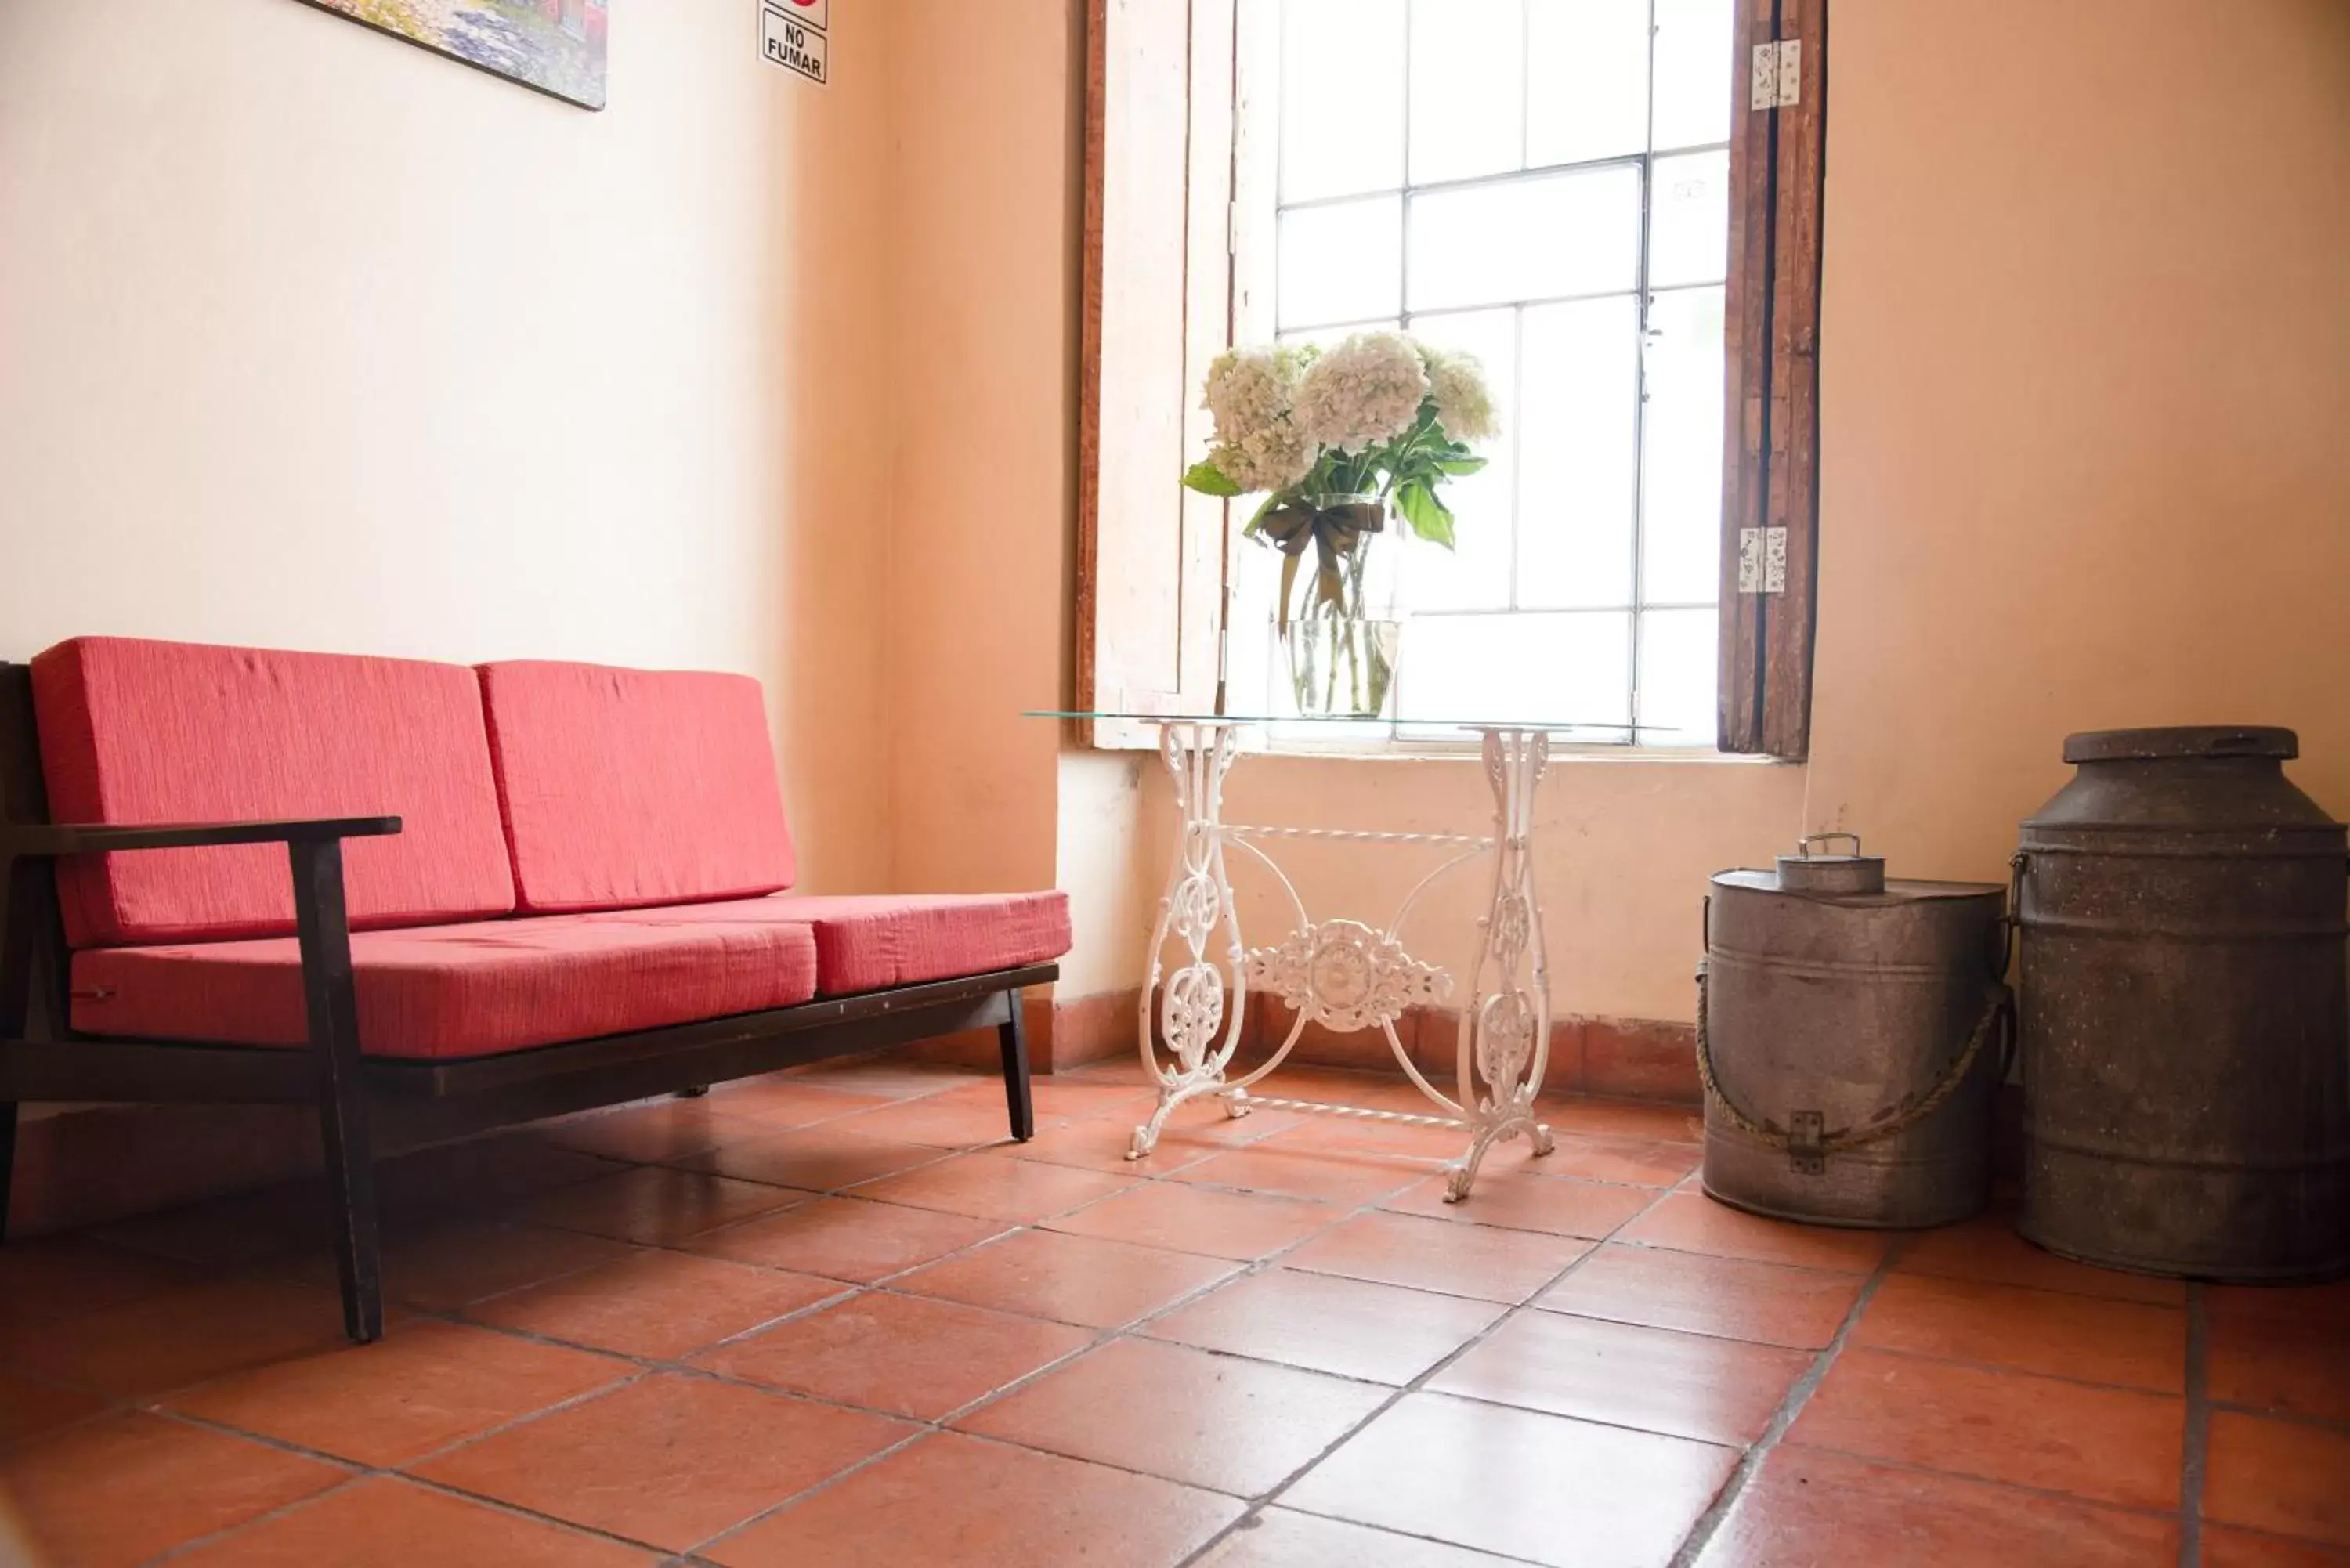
(870, 942)
(442, 991)
(134, 731)
(629, 787)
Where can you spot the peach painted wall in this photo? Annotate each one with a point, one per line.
(2085, 415)
(310, 337)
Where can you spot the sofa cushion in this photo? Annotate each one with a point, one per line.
(136, 731)
(631, 787)
(870, 942)
(453, 991)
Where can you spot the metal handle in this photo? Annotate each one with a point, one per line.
(1816, 1142)
(1804, 845)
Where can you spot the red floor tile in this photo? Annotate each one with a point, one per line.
(779, 1100)
(2282, 1351)
(2089, 1338)
(73, 1276)
(1637, 1162)
(1101, 1144)
(1281, 1538)
(1728, 1297)
(938, 1121)
(825, 1158)
(1805, 1505)
(1542, 1488)
(1686, 1386)
(1214, 1421)
(423, 1387)
(1058, 1099)
(1690, 1221)
(1556, 1206)
(1989, 1249)
(2224, 1548)
(1425, 1146)
(119, 1489)
(389, 1524)
(2279, 1477)
(1350, 1327)
(1070, 1279)
(30, 1407)
(848, 1239)
(231, 1232)
(659, 1305)
(901, 1356)
(1332, 1177)
(1242, 1226)
(468, 1179)
(445, 1268)
(2106, 1445)
(661, 1130)
(655, 1206)
(182, 1337)
(1591, 1118)
(1016, 1191)
(669, 1461)
(888, 1077)
(976, 1504)
(1483, 1262)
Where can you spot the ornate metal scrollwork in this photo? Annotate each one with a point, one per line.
(1346, 976)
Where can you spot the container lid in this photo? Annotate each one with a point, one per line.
(2184, 742)
(1811, 871)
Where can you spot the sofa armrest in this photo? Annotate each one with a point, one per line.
(37, 841)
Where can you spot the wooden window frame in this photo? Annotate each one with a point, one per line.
(1158, 302)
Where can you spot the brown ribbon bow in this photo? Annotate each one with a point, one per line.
(1334, 531)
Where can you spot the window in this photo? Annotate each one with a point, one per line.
(1591, 196)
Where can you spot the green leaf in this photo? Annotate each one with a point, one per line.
(1460, 465)
(1430, 519)
(1256, 518)
(1209, 480)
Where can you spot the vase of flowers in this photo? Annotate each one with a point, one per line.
(1336, 441)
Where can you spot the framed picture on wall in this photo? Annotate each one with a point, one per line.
(555, 46)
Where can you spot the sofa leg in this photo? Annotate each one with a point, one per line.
(332, 1000)
(695, 1093)
(1012, 1035)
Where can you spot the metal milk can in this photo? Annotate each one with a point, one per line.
(2186, 1040)
(1852, 1033)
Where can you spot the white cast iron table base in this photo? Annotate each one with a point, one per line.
(1342, 973)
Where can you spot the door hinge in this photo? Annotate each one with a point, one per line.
(1776, 80)
(1763, 560)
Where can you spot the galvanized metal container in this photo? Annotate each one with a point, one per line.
(2186, 1038)
(1852, 1033)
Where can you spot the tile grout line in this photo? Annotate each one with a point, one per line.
(1790, 1405)
(2195, 1449)
(644, 1367)
(1257, 1505)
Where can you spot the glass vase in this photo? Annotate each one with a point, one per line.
(1341, 666)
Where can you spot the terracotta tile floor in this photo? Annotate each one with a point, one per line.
(833, 1318)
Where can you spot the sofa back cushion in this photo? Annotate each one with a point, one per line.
(627, 788)
(135, 731)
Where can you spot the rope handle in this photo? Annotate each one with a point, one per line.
(1998, 1012)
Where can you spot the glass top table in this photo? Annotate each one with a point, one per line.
(1347, 975)
(1556, 728)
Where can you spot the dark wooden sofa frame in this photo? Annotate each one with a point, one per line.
(369, 1106)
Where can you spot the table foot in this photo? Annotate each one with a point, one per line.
(1461, 1174)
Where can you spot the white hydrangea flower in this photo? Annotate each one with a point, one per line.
(1272, 458)
(1251, 393)
(1464, 404)
(1365, 391)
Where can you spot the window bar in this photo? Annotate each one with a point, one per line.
(1637, 622)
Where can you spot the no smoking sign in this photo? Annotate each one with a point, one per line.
(792, 33)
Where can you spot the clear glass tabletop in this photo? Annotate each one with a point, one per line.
(1554, 727)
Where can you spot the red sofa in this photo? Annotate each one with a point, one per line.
(516, 891)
